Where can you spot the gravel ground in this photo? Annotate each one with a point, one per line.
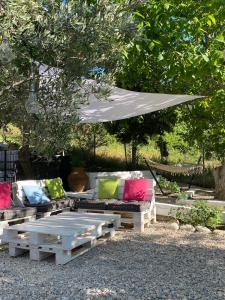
(159, 264)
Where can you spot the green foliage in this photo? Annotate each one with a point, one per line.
(179, 49)
(200, 214)
(171, 186)
(73, 37)
(136, 131)
(182, 196)
(88, 137)
(77, 158)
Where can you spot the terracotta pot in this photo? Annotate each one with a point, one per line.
(78, 179)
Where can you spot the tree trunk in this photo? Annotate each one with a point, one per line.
(24, 153)
(125, 153)
(24, 159)
(219, 177)
(163, 149)
(134, 154)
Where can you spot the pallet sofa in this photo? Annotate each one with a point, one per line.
(21, 210)
(138, 213)
(44, 209)
(10, 212)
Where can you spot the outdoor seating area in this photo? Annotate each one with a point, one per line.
(112, 150)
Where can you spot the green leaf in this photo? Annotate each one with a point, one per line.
(138, 47)
(136, 13)
(212, 18)
(205, 57)
(167, 5)
(220, 38)
(196, 20)
(160, 57)
(151, 45)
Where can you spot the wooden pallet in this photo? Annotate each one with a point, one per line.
(66, 235)
(53, 212)
(138, 220)
(4, 224)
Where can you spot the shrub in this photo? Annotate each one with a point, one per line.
(182, 196)
(200, 214)
(171, 186)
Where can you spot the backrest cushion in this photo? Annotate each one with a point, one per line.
(108, 188)
(5, 194)
(35, 194)
(55, 188)
(93, 176)
(19, 196)
(137, 189)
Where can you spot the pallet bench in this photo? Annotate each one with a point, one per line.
(66, 235)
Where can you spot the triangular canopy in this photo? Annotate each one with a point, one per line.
(123, 104)
(120, 104)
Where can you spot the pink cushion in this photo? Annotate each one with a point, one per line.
(137, 189)
(4, 194)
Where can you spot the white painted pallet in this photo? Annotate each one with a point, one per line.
(139, 220)
(52, 213)
(67, 235)
(7, 223)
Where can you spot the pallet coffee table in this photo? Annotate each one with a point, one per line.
(67, 235)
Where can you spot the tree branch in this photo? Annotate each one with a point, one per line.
(15, 84)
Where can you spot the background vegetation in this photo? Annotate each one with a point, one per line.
(165, 46)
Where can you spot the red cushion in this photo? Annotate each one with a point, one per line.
(137, 189)
(4, 194)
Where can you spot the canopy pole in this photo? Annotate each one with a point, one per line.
(153, 175)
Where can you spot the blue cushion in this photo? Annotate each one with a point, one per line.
(35, 194)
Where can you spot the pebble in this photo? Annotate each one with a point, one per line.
(158, 264)
(172, 226)
(187, 227)
(202, 229)
(219, 232)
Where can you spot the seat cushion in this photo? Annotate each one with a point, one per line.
(63, 203)
(132, 206)
(91, 204)
(43, 207)
(16, 213)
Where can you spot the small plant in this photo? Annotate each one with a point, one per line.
(200, 214)
(171, 186)
(182, 196)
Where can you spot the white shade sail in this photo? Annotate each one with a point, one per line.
(120, 104)
(123, 104)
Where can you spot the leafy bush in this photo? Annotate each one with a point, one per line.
(171, 186)
(200, 214)
(183, 196)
